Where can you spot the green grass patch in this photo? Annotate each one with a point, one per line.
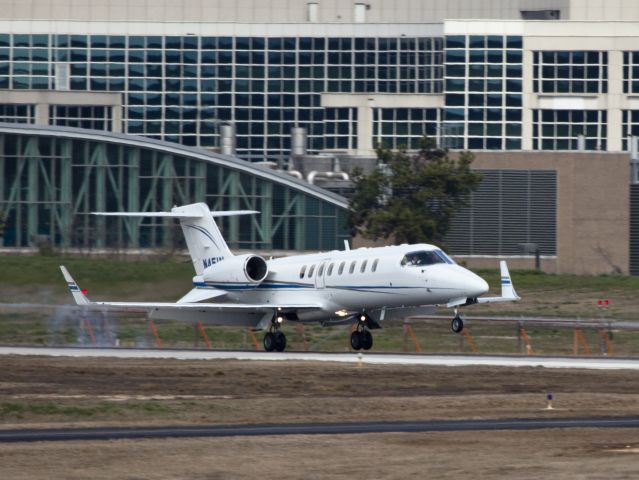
(22, 410)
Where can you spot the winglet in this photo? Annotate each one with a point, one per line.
(508, 293)
(79, 297)
(507, 289)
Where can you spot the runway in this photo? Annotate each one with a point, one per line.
(121, 433)
(594, 363)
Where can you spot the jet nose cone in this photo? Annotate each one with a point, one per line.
(481, 286)
(475, 285)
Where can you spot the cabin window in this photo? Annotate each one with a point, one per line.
(310, 271)
(363, 269)
(341, 268)
(302, 271)
(352, 269)
(426, 257)
(321, 270)
(329, 272)
(374, 266)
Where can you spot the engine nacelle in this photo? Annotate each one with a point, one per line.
(241, 270)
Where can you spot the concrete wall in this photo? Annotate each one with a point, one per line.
(593, 202)
(277, 11)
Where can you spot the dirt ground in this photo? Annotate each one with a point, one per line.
(53, 392)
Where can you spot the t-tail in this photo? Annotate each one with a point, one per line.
(203, 237)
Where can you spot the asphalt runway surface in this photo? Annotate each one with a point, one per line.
(120, 433)
(596, 363)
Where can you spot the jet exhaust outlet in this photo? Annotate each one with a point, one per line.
(242, 269)
(256, 268)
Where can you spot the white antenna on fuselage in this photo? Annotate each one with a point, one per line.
(346, 245)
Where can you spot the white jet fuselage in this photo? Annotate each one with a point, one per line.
(358, 280)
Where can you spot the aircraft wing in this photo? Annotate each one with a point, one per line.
(162, 309)
(200, 307)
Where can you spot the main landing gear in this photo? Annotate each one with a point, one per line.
(274, 339)
(362, 338)
(457, 325)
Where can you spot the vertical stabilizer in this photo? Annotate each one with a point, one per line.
(203, 238)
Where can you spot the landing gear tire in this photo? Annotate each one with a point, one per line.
(366, 339)
(356, 340)
(270, 342)
(274, 341)
(280, 341)
(457, 325)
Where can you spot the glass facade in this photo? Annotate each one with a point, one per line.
(179, 88)
(49, 184)
(483, 92)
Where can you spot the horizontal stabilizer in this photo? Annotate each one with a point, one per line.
(223, 213)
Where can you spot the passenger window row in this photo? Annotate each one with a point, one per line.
(340, 268)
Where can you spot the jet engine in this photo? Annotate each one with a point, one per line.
(242, 269)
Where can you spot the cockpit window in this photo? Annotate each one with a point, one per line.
(423, 258)
(446, 258)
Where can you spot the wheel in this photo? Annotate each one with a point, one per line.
(270, 341)
(356, 340)
(280, 341)
(367, 339)
(457, 324)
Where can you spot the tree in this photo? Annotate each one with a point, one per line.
(411, 198)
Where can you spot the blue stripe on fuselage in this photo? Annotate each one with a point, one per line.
(275, 286)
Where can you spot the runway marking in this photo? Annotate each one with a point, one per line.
(593, 363)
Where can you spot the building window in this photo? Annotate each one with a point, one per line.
(93, 117)
(630, 127)
(561, 129)
(570, 72)
(13, 113)
(399, 128)
(630, 72)
(483, 93)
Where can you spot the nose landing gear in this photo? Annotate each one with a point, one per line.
(457, 325)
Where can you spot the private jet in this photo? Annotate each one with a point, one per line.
(362, 287)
